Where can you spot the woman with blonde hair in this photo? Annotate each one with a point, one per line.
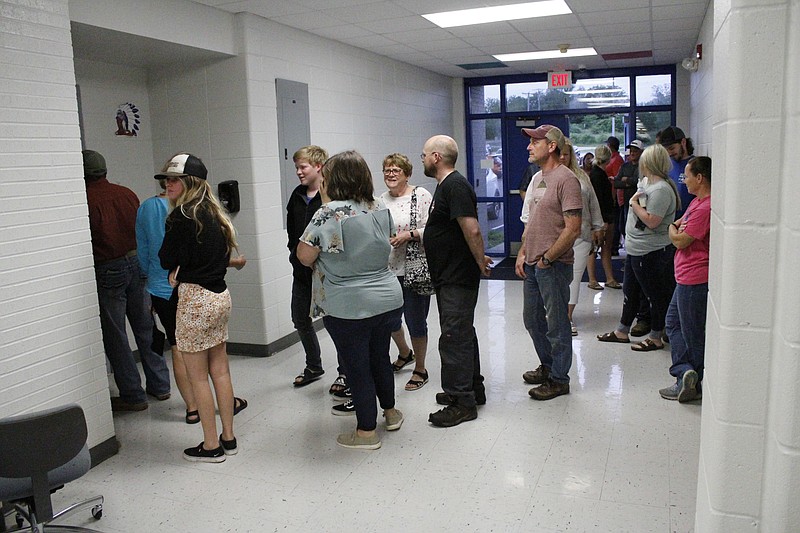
(196, 251)
(649, 263)
(605, 196)
(592, 228)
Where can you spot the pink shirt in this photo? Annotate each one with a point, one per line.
(549, 194)
(691, 263)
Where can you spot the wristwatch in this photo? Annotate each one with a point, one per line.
(545, 261)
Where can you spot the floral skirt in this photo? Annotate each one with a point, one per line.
(202, 320)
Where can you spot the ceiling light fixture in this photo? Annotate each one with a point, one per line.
(483, 15)
(546, 54)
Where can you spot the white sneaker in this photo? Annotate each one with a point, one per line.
(574, 329)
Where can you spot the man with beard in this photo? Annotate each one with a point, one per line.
(456, 259)
(681, 150)
(552, 212)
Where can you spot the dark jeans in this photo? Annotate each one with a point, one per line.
(544, 312)
(120, 293)
(651, 275)
(364, 345)
(301, 318)
(458, 344)
(686, 327)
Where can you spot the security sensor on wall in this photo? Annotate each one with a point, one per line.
(691, 64)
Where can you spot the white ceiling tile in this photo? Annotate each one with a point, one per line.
(559, 21)
(368, 12)
(497, 40)
(615, 17)
(679, 11)
(338, 33)
(622, 28)
(367, 42)
(310, 21)
(631, 42)
(392, 25)
(589, 6)
(449, 44)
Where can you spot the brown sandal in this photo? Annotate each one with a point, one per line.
(647, 345)
(612, 337)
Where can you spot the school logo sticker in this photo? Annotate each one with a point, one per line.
(127, 120)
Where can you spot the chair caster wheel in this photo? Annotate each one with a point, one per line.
(97, 512)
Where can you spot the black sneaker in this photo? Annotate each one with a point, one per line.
(549, 390)
(452, 415)
(229, 446)
(344, 409)
(442, 398)
(344, 394)
(536, 377)
(199, 454)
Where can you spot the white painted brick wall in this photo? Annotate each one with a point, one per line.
(49, 328)
(749, 470)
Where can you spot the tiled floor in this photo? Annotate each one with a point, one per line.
(610, 457)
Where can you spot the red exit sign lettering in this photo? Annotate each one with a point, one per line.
(559, 80)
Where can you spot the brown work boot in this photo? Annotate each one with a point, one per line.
(538, 376)
(118, 404)
(641, 328)
(549, 390)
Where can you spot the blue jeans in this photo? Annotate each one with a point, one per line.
(458, 343)
(121, 292)
(651, 275)
(364, 345)
(415, 311)
(686, 328)
(544, 313)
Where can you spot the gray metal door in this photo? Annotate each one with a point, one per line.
(294, 131)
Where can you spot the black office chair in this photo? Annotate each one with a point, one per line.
(39, 453)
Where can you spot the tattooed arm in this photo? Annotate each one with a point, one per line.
(571, 231)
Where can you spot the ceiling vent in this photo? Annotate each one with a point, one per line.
(480, 66)
(628, 55)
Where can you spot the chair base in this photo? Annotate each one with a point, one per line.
(96, 504)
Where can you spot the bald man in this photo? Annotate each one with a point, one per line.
(454, 248)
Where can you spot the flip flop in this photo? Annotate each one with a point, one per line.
(596, 286)
(338, 385)
(611, 337)
(646, 345)
(308, 376)
(614, 284)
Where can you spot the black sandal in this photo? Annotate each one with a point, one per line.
(239, 405)
(192, 417)
(338, 385)
(403, 362)
(413, 384)
(308, 376)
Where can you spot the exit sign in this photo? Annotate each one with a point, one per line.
(559, 80)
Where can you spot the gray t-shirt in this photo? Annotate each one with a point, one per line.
(660, 202)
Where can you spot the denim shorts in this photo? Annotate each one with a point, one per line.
(415, 309)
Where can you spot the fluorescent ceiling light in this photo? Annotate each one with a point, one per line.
(482, 15)
(546, 54)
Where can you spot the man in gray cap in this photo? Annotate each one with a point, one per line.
(552, 218)
(121, 288)
(681, 150)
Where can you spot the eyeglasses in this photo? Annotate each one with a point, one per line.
(423, 155)
(391, 171)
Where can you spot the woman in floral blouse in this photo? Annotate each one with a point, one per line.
(347, 243)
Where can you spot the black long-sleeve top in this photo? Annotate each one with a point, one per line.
(602, 189)
(203, 258)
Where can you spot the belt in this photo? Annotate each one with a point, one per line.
(128, 255)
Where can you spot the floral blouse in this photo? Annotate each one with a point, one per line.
(400, 208)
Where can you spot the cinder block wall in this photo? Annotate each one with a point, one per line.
(749, 470)
(52, 351)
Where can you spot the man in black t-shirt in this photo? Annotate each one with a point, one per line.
(454, 248)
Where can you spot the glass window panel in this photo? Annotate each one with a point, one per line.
(484, 99)
(525, 96)
(490, 218)
(649, 123)
(599, 92)
(487, 153)
(654, 90)
(588, 131)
